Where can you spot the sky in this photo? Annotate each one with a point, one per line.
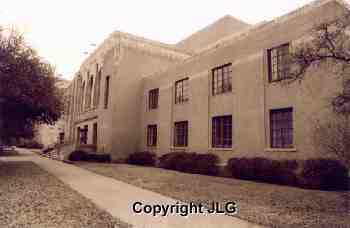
(62, 30)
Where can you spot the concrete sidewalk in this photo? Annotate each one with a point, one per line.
(118, 198)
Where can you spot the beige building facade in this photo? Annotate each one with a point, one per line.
(218, 91)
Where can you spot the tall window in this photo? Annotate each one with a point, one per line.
(278, 59)
(84, 135)
(107, 92)
(181, 91)
(181, 134)
(222, 79)
(281, 127)
(94, 134)
(153, 98)
(222, 132)
(152, 135)
(82, 97)
(97, 87)
(89, 93)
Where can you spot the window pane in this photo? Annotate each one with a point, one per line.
(222, 131)
(281, 124)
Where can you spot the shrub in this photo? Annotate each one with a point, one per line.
(31, 144)
(287, 172)
(142, 158)
(78, 156)
(265, 170)
(241, 168)
(324, 174)
(190, 162)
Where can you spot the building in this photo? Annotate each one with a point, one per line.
(217, 91)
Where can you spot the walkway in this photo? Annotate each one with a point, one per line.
(117, 197)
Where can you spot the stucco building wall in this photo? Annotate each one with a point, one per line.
(136, 65)
(252, 96)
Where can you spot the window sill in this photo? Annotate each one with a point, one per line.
(280, 150)
(222, 94)
(182, 102)
(221, 149)
(179, 148)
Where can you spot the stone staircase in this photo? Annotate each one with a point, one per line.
(52, 154)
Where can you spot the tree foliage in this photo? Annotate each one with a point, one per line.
(329, 42)
(28, 94)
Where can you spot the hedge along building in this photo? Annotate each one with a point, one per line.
(218, 91)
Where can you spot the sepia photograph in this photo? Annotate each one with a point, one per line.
(175, 114)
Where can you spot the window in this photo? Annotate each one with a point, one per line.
(84, 135)
(281, 127)
(222, 132)
(152, 135)
(61, 137)
(153, 98)
(107, 92)
(278, 58)
(94, 134)
(181, 134)
(97, 87)
(89, 92)
(181, 91)
(222, 79)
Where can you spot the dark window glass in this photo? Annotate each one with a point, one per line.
(152, 135)
(181, 91)
(281, 127)
(278, 58)
(222, 79)
(181, 133)
(107, 92)
(153, 98)
(94, 134)
(222, 132)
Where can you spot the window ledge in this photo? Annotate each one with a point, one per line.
(280, 150)
(179, 148)
(221, 149)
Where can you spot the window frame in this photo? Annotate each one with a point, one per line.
(282, 70)
(222, 80)
(221, 127)
(152, 135)
(153, 96)
(181, 140)
(286, 128)
(182, 84)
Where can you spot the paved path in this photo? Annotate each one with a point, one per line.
(117, 197)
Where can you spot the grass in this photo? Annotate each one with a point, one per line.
(260, 203)
(31, 197)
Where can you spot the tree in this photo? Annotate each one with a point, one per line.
(28, 95)
(329, 43)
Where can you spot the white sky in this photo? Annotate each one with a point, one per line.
(62, 30)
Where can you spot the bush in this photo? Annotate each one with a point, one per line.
(324, 174)
(265, 170)
(84, 156)
(78, 156)
(190, 162)
(142, 158)
(31, 144)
